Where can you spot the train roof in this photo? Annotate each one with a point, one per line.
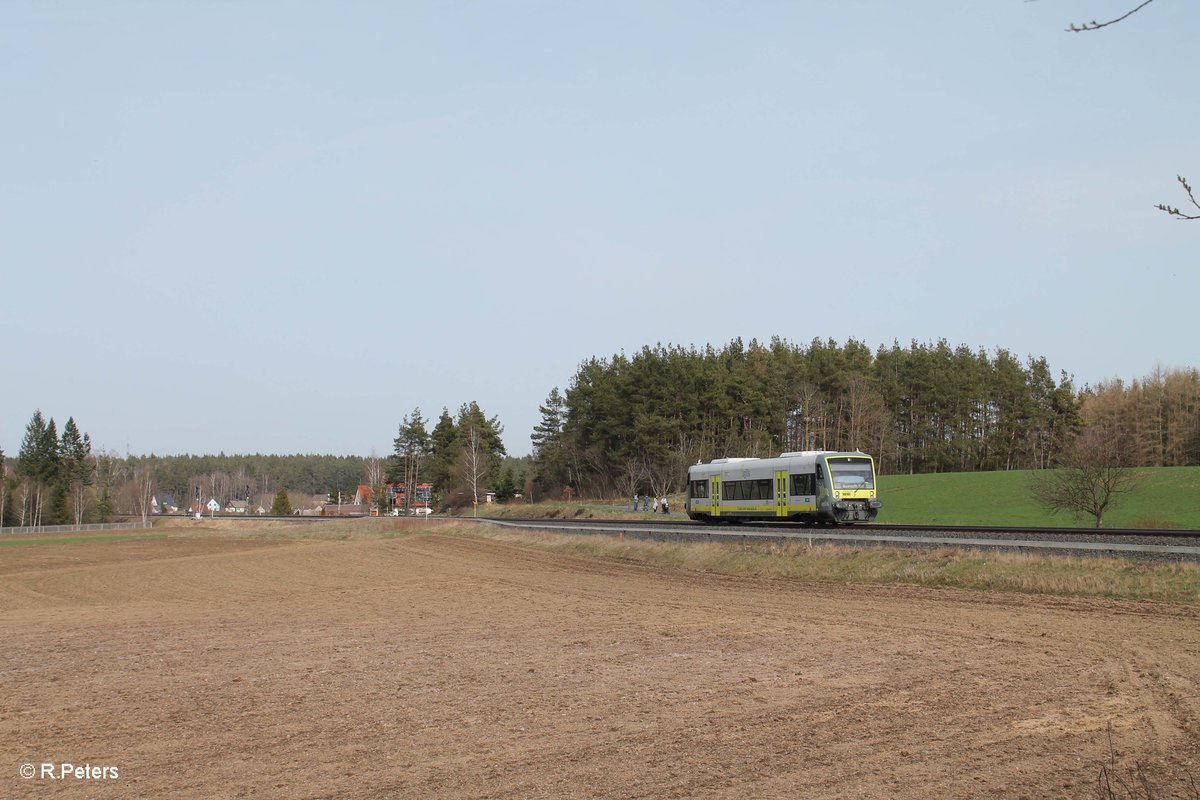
(793, 454)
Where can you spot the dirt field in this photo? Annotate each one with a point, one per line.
(445, 667)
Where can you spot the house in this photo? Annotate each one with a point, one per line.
(163, 505)
(237, 507)
(422, 495)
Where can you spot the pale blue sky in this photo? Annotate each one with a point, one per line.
(279, 226)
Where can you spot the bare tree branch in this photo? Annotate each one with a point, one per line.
(1095, 26)
(1175, 212)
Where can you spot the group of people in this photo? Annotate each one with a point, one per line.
(654, 504)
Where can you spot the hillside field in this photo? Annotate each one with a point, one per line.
(1164, 497)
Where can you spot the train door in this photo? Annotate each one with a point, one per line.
(781, 493)
(714, 494)
(824, 496)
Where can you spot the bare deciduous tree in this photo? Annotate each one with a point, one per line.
(473, 464)
(3, 487)
(219, 486)
(1091, 481)
(629, 480)
(26, 486)
(143, 478)
(78, 496)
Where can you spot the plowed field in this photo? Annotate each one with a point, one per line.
(445, 667)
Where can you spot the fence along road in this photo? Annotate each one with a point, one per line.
(97, 526)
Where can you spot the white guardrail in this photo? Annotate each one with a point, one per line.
(101, 526)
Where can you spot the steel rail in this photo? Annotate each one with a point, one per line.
(1184, 533)
(992, 538)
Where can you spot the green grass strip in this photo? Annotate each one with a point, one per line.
(77, 539)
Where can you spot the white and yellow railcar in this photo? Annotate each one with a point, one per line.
(814, 486)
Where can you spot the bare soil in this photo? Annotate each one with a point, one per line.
(439, 666)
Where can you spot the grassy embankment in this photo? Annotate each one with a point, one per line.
(959, 568)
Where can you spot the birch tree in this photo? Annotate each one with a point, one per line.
(472, 464)
(144, 486)
(3, 487)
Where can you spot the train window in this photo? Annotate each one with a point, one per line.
(699, 489)
(852, 473)
(748, 490)
(804, 484)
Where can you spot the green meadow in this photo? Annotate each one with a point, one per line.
(17, 541)
(1165, 497)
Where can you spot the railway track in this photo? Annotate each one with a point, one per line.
(1171, 545)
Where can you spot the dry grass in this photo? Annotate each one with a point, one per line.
(1152, 522)
(960, 568)
(321, 528)
(1120, 781)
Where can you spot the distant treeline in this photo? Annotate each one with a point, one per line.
(242, 477)
(630, 423)
(633, 424)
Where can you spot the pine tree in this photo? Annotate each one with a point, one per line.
(411, 447)
(443, 452)
(75, 474)
(37, 462)
(282, 506)
(549, 445)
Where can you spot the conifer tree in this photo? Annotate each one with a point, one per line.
(549, 450)
(411, 447)
(75, 473)
(282, 506)
(443, 452)
(37, 462)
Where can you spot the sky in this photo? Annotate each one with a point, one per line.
(279, 227)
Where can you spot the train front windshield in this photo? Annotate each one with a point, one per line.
(852, 473)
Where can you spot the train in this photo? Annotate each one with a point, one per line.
(815, 487)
